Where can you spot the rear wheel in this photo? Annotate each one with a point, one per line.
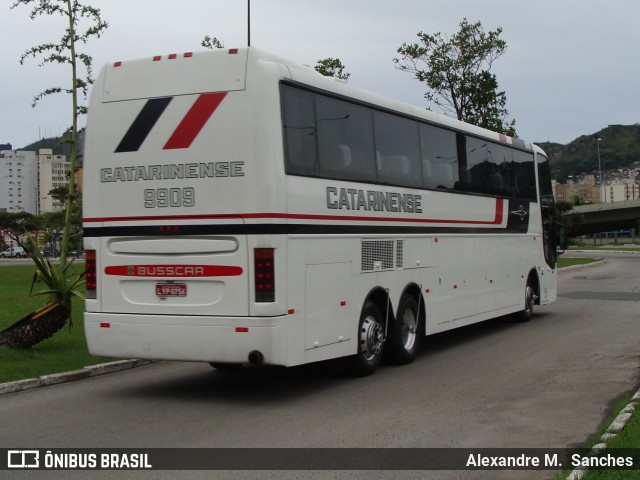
(370, 342)
(405, 333)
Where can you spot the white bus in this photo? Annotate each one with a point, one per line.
(239, 208)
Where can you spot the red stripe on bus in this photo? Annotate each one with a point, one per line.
(497, 220)
(194, 120)
(181, 271)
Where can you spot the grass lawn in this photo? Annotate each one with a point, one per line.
(625, 443)
(568, 262)
(65, 351)
(629, 438)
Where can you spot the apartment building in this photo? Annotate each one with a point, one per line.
(18, 181)
(26, 178)
(52, 173)
(621, 191)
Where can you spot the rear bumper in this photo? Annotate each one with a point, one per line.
(205, 339)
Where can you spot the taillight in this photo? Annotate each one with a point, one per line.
(264, 274)
(90, 267)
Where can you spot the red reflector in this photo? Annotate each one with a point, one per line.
(343, 304)
(291, 312)
(233, 51)
(105, 325)
(117, 64)
(188, 55)
(157, 58)
(163, 230)
(173, 56)
(242, 330)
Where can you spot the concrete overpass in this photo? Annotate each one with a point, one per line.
(606, 217)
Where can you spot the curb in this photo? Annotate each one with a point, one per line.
(616, 427)
(56, 378)
(603, 251)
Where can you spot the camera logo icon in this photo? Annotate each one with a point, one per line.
(23, 459)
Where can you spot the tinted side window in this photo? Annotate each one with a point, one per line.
(345, 140)
(498, 170)
(397, 150)
(544, 179)
(484, 172)
(523, 175)
(439, 157)
(300, 131)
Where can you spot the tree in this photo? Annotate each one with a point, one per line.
(332, 67)
(15, 225)
(82, 23)
(66, 51)
(456, 71)
(51, 226)
(211, 42)
(569, 220)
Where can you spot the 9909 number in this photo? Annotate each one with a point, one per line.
(169, 197)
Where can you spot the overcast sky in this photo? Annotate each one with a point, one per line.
(571, 66)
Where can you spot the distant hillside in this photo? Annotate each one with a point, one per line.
(52, 143)
(55, 144)
(619, 147)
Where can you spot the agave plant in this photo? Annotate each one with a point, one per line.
(61, 286)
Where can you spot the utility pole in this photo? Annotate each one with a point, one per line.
(602, 190)
(248, 23)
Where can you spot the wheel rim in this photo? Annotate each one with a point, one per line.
(529, 298)
(371, 338)
(408, 328)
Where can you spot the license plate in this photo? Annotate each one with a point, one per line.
(171, 289)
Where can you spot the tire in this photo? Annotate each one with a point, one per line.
(370, 342)
(529, 301)
(405, 333)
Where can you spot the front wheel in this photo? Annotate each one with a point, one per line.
(370, 342)
(529, 301)
(405, 333)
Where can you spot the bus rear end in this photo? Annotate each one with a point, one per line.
(170, 188)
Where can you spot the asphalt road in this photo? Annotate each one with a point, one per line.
(547, 383)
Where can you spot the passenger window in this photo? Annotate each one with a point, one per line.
(300, 132)
(345, 140)
(397, 150)
(524, 184)
(485, 167)
(439, 157)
